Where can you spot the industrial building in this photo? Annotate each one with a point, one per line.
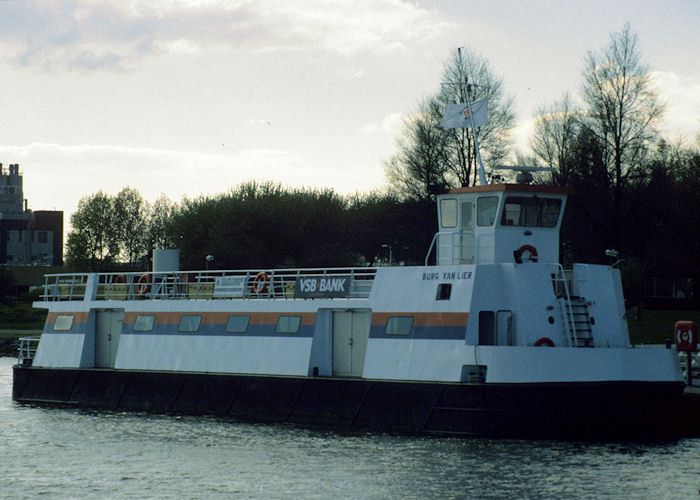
(27, 237)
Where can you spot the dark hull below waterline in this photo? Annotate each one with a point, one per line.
(606, 410)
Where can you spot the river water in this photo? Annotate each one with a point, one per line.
(71, 453)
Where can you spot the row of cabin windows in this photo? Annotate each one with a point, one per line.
(235, 323)
(396, 325)
(521, 211)
(495, 327)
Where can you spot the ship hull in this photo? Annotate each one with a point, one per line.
(593, 410)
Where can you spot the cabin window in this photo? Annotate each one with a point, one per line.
(190, 323)
(63, 323)
(531, 211)
(144, 322)
(237, 324)
(467, 222)
(448, 212)
(288, 324)
(486, 207)
(444, 290)
(487, 330)
(399, 325)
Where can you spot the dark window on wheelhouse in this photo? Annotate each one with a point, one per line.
(486, 208)
(531, 211)
(487, 330)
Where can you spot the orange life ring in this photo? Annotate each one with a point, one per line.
(544, 341)
(120, 279)
(144, 285)
(260, 282)
(523, 249)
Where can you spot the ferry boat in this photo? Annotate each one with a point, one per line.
(491, 337)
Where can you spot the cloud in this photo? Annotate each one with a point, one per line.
(57, 176)
(682, 96)
(89, 35)
(390, 124)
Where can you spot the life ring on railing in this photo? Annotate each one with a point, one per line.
(120, 279)
(528, 252)
(546, 341)
(144, 284)
(260, 282)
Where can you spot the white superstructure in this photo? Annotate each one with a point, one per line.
(496, 307)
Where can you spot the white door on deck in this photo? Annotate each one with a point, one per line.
(350, 332)
(108, 328)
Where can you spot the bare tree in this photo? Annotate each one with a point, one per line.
(623, 107)
(554, 137)
(419, 164)
(460, 156)
(430, 155)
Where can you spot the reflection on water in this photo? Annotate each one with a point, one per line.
(78, 453)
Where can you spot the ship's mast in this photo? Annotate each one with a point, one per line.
(461, 85)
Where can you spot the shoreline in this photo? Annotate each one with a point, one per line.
(9, 340)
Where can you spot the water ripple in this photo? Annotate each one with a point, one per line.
(71, 453)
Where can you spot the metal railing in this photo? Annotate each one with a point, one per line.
(452, 247)
(245, 284)
(27, 350)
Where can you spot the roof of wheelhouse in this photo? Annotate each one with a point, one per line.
(521, 188)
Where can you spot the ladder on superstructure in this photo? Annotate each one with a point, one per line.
(575, 313)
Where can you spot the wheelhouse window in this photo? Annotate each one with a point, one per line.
(486, 208)
(288, 324)
(448, 212)
(531, 211)
(144, 322)
(467, 215)
(237, 324)
(399, 325)
(190, 323)
(63, 323)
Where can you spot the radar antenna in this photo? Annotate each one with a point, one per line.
(525, 173)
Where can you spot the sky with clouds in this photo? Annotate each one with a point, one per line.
(192, 97)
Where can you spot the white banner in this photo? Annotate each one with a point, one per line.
(457, 115)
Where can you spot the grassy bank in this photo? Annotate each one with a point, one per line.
(18, 320)
(21, 316)
(655, 327)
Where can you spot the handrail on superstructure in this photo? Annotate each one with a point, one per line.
(430, 249)
(456, 244)
(27, 350)
(243, 284)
